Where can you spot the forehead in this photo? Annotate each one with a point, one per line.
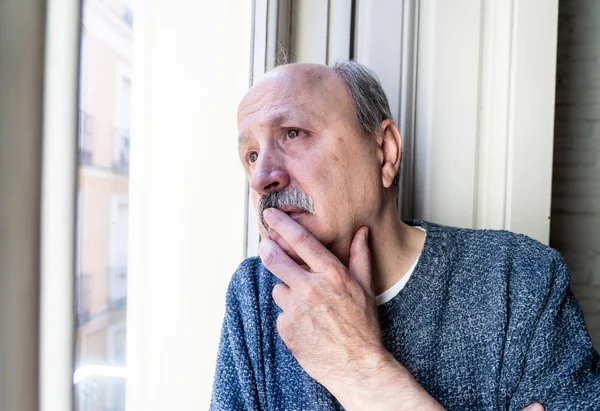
(295, 95)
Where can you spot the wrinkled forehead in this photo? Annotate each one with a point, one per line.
(313, 95)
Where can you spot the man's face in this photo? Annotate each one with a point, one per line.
(298, 133)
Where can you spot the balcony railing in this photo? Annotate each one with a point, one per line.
(82, 290)
(86, 130)
(89, 129)
(121, 161)
(117, 299)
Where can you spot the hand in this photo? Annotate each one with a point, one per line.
(534, 407)
(329, 319)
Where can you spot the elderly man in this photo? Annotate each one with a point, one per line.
(350, 307)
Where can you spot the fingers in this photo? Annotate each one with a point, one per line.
(360, 260)
(279, 263)
(274, 235)
(281, 295)
(308, 248)
(263, 234)
(534, 407)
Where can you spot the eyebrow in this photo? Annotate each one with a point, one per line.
(277, 120)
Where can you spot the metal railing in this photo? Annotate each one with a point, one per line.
(85, 133)
(116, 294)
(121, 160)
(117, 298)
(88, 131)
(82, 290)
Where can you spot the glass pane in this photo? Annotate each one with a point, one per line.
(103, 205)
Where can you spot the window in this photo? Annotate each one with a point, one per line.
(103, 205)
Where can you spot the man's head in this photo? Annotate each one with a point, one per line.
(319, 143)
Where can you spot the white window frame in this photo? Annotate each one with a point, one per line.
(59, 171)
(485, 114)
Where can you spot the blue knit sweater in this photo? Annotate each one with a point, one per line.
(486, 322)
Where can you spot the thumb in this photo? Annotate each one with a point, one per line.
(359, 264)
(534, 407)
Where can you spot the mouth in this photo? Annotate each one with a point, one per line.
(292, 211)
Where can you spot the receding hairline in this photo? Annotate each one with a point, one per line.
(315, 76)
(305, 68)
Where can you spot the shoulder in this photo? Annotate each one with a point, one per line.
(246, 274)
(526, 261)
(250, 285)
(516, 259)
(490, 242)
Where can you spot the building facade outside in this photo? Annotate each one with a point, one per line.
(103, 204)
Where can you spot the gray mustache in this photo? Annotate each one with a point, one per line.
(287, 197)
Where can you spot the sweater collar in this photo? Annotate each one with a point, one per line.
(427, 277)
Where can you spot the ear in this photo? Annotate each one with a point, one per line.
(391, 150)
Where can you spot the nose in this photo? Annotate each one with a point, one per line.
(269, 173)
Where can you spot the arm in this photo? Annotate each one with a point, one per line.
(388, 387)
(562, 369)
(234, 386)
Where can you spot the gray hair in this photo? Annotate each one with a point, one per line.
(370, 102)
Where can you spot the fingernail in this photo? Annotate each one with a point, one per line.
(367, 234)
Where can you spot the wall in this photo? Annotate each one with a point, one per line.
(100, 99)
(575, 221)
(21, 85)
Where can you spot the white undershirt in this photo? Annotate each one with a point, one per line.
(393, 291)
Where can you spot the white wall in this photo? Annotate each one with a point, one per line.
(575, 226)
(187, 195)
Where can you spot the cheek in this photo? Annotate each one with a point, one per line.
(354, 196)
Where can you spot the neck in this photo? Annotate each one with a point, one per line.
(394, 246)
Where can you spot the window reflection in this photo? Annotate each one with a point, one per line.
(103, 205)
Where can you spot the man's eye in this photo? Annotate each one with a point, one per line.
(293, 133)
(252, 157)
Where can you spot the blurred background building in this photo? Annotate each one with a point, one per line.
(103, 203)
